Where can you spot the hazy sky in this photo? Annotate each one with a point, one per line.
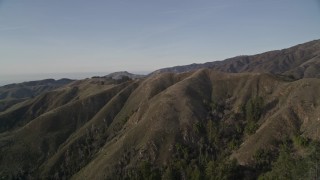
(58, 36)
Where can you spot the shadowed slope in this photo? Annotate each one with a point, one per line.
(25, 148)
(15, 93)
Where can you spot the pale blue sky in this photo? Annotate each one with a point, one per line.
(59, 36)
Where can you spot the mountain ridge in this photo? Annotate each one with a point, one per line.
(204, 123)
(263, 62)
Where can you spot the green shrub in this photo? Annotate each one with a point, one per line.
(300, 141)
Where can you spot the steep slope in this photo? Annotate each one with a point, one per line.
(41, 136)
(15, 93)
(22, 113)
(171, 116)
(178, 123)
(297, 62)
(297, 112)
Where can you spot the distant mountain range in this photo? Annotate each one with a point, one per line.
(300, 61)
(246, 117)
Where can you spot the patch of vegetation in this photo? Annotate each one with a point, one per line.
(263, 159)
(253, 111)
(123, 79)
(207, 157)
(291, 166)
(300, 141)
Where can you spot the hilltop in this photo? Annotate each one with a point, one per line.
(121, 74)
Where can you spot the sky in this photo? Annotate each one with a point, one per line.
(81, 36)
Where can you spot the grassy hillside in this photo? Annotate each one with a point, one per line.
(195, 125)
(12, 94)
